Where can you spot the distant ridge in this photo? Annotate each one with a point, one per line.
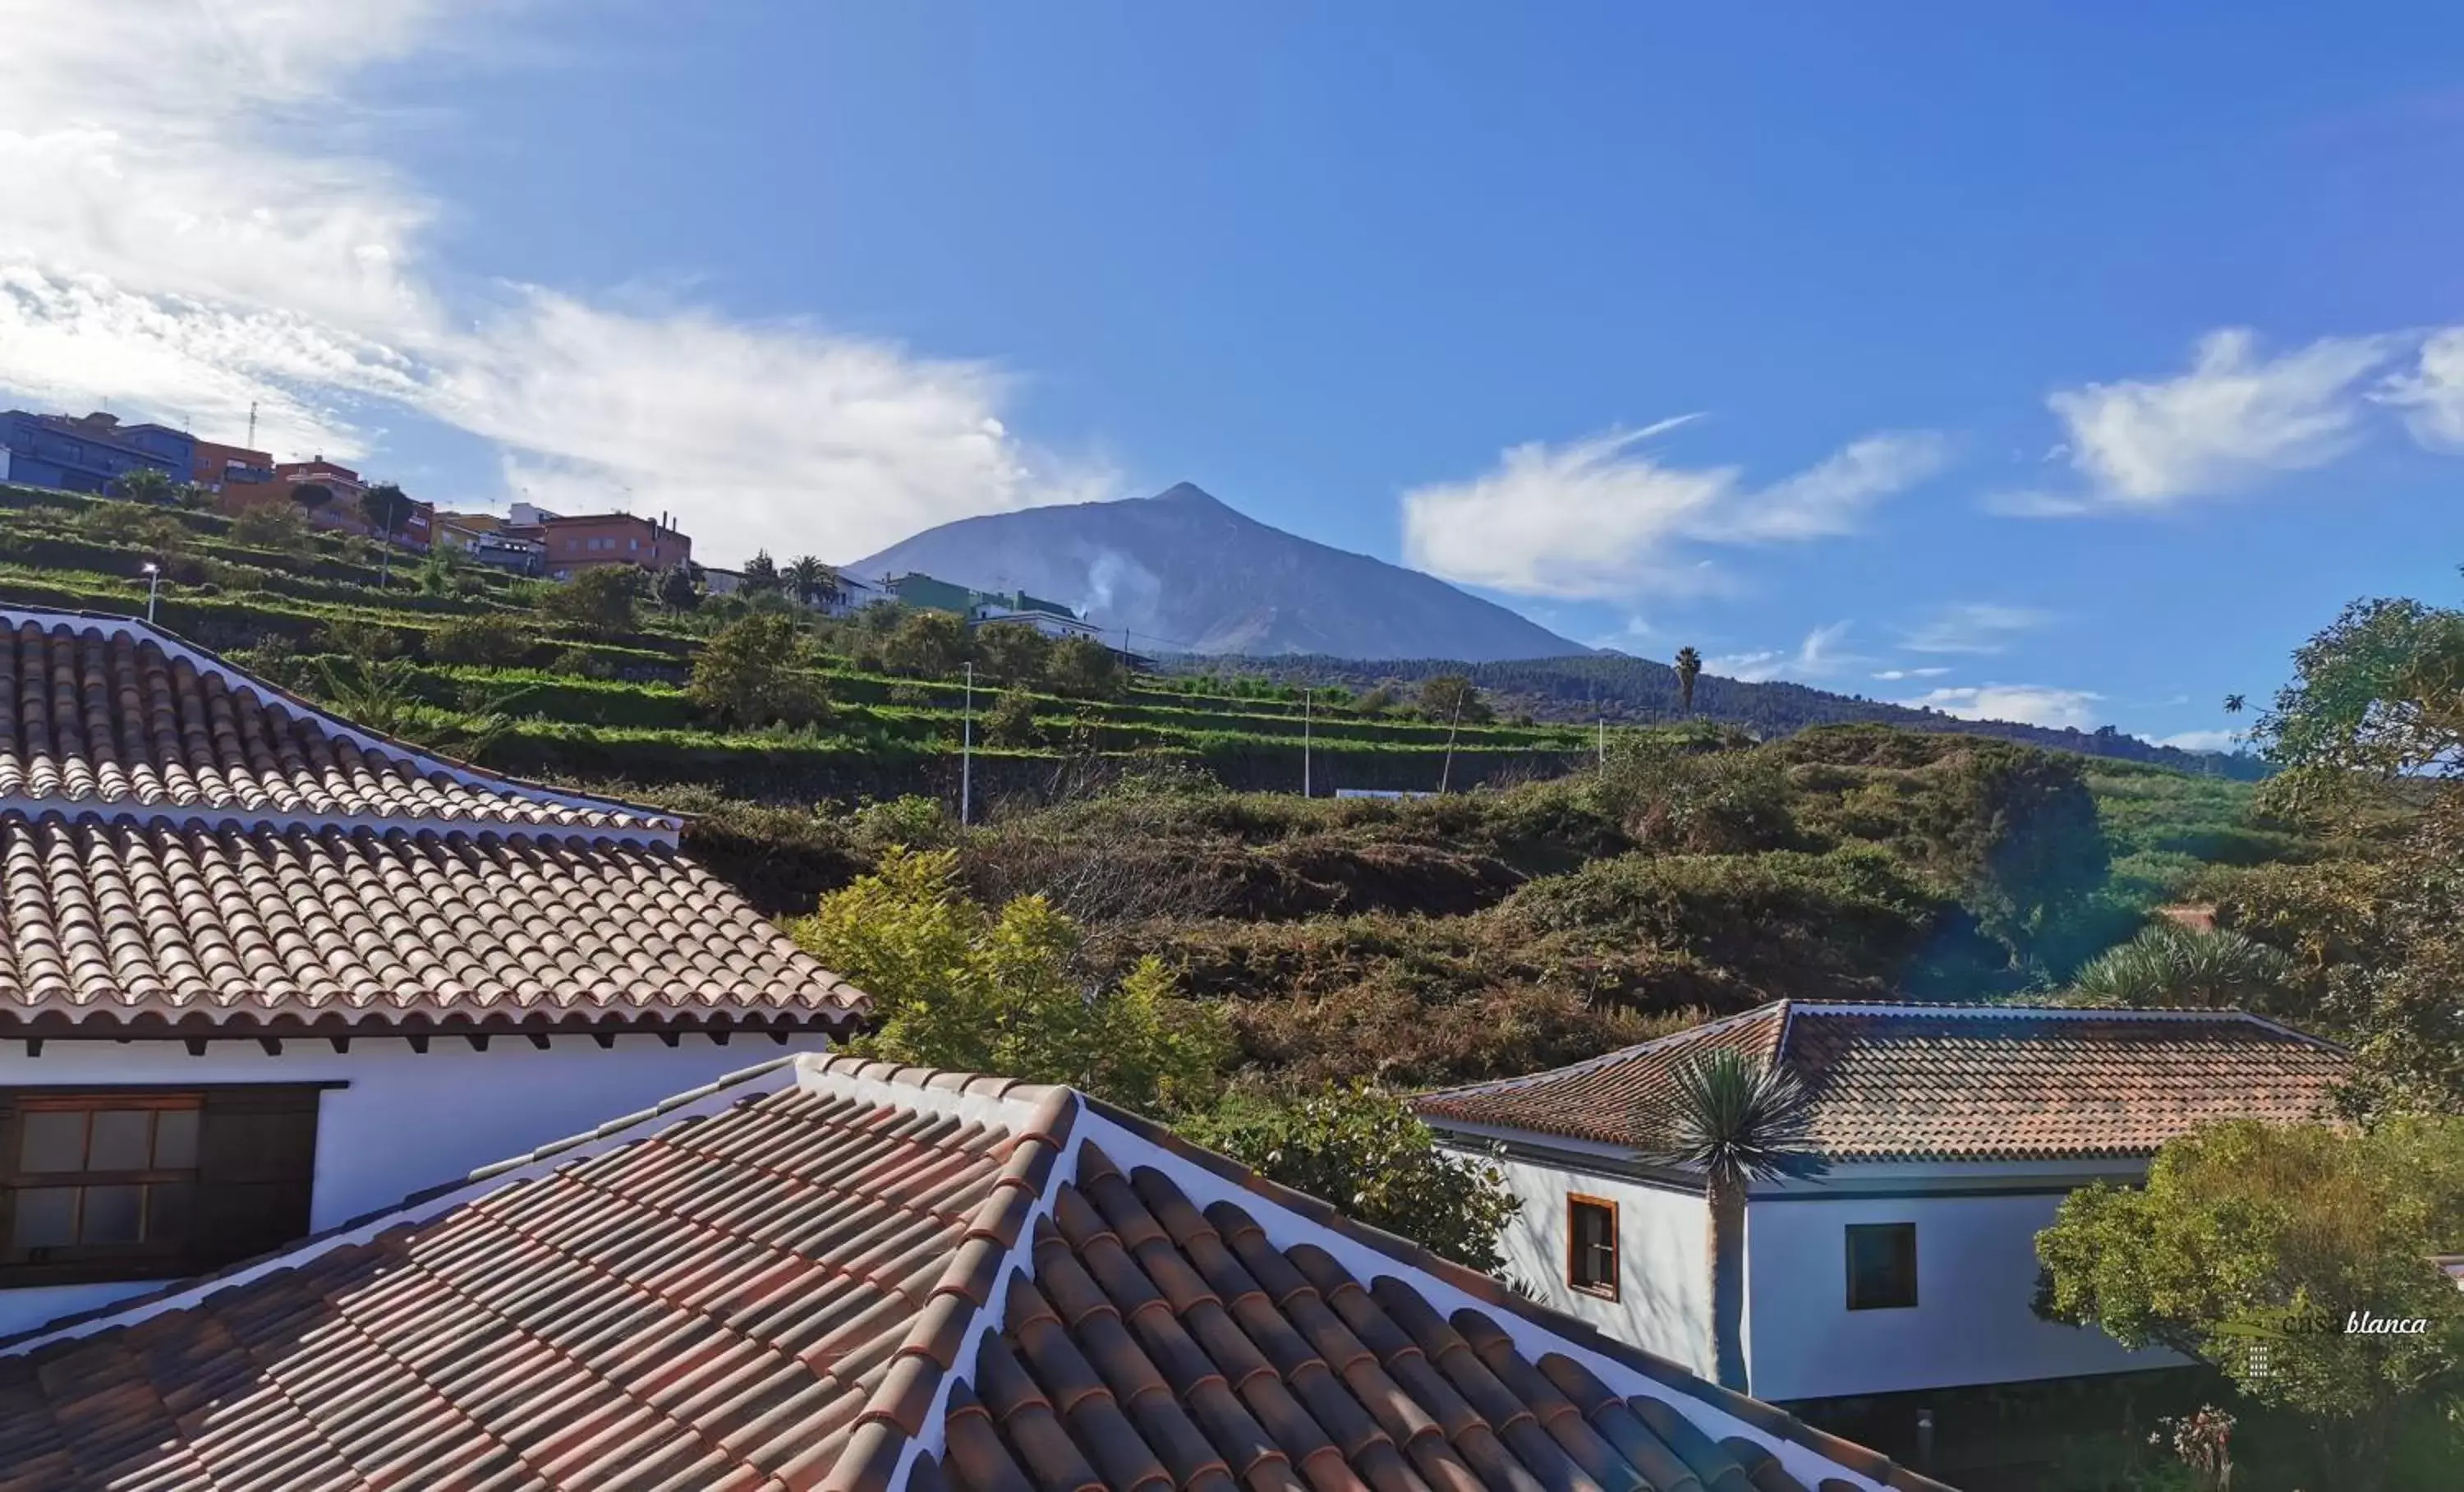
(1182, 571)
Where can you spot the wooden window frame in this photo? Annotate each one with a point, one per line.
(241, 1202)
(1848, 1258)
(1606, 1291)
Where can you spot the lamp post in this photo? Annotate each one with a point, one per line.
(153, 586)
(967, 752)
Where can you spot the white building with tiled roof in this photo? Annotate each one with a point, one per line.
(823, 1273)
(261, 970)
(1950, 1133)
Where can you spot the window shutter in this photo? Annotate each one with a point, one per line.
(257, 1160)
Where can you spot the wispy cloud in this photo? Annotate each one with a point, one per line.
(1600, 517)
(1978, 627)
(1819, 656)
(2430, 393)
(1896, 674)
(2027, 704)
(132, 271)
(2234, 419)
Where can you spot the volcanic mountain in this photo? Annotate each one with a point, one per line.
(1182, 572)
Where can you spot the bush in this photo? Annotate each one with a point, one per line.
(276, 527)
(2170, 965)
(599, 602)
(493, 640)
(1700, 801)
(371, 642)
(581, 664)
(758, 671)
(1364, 1150)
(1011, 721)
(909, 821)
(1085, 668)
(957, 985)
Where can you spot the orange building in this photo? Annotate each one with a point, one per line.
(594, 539)
(217, 466)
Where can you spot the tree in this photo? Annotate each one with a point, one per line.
(1451, 697)
(680, 587)
(1689, 667)
(955, 985)
(148, 484)
(1012, 653)
(1737, 1121)
(599, 601)
(489, 640)
(2017, 829)
(760, 574)
(2248, 1236)
(926, 645)
(810, 581)
(758, 671)
(1083, 667)
(1364, 1149)
(268, 526)
(312, 495)
(2170, 965)
(2234, 703)
(386, 508)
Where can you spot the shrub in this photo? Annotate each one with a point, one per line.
(1085, 668)
(926, 644)
(599, 602)
(1364, 1150)
(1700, 802)
(492, 640)
(2168, 964)
(371, 642)
(581, 664)
(1011, 721)
(957, 985)
(758, 671)
(911, 820)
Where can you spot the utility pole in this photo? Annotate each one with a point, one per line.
(967, 753)
(1304, 742)
(1446, 774)
(1604, 738)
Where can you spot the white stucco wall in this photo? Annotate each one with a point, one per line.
(405, 1121)
(1976, 1275)
(1663, 1300)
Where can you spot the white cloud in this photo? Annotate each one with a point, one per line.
(2029, 705)
(2432, 393)
(1979, 627)
(1597, 518)
(2202, 740)
(205, 234)
(2233, 419)
(1894, 673)
(1818, 656)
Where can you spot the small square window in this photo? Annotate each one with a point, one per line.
(1592, 1246)
(1881, 1267)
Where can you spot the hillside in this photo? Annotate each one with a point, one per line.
(1625, 690)
(1183, 573)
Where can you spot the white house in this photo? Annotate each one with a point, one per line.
(1952, 1134)
(262, 972)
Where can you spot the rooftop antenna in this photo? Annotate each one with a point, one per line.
(251, 424)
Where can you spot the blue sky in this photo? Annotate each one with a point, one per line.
(2067, 363)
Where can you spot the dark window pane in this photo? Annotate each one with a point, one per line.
(113, 1215)
(46, 1217)
(175, 1139)
(167, 1212)
(122, 1140)
(53, 1139)
(1881, 1267)
(1591, 1261)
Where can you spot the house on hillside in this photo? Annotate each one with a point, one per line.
(594, 540)
(1951, 1132)
(826, 1272)
(88, 454)
(262, 971)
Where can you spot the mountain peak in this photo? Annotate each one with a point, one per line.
(1189, 494)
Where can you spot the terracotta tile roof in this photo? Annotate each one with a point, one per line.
(1946, 1083)
(128, 925)
(106, 713)
(839, 1275)
(186, 849)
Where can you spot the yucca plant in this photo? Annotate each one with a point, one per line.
(2168, 964)
(1737, 1121)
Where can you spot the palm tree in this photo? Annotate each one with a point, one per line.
(809, 580)
(1689, 667)
(2233, 704)
(1737, 1121)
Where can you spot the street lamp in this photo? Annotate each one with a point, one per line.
(153, 586)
